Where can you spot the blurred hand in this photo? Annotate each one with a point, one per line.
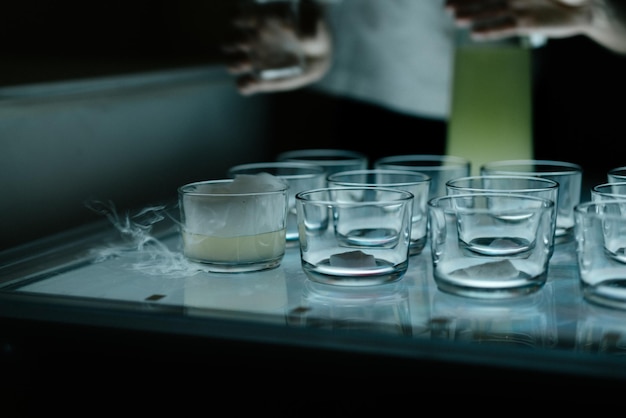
(262, 35)
(497, 19)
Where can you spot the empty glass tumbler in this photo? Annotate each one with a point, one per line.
(608, 191)
(528, 185)
(440, 168)
(299, 177)
(616, 174)
(354, 236)
(568, 175)
(601, 251)
(411, 181)
(491, 245)
(332, 160)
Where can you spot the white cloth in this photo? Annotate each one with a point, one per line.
(394, 53)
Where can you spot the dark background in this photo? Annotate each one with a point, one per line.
(578, 98)
(579, 117)
(580, 86)
(580, 91)
(43, 40)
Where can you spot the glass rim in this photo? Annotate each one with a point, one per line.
(433, 202)
(618, 171)
(607, 184)
(319, 154)
(589, 207)
(411, 160)
(391, 291)
(186, 189)
(420, 178)
(550, 184)
(315, 170)
(564, 167)
(306, 196)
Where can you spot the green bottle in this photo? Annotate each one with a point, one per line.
(491, 107)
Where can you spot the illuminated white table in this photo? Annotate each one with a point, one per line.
(64, 283)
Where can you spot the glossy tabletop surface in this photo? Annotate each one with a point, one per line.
(92, 277)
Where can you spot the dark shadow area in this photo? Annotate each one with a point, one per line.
(56, 40)
(310, 119)
(578, 88)
(579, 117)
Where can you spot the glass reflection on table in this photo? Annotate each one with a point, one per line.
(383, 308)
(525, 321)
(601, 330)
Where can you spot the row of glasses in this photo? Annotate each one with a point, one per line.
(414, 182)
(359, 218)
(568, 175)
(601, 242)
(491, 236)
(443, 170)
(358, 230)
(372, 231)
(298, 175)
(362, 219)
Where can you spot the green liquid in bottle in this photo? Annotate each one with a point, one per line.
(491, 114)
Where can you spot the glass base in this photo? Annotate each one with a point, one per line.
(608, 293)
(563, 236)
(491, 290)
(417, 247)
(218, 267)
(354, 277)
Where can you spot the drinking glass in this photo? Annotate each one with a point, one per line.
(527, 185)
(411, 181)
(299, 177)
(601, 251)
(533, 186)
(332, 160)
(354, 236)
(440, 168)
(234, 225)
(568, 175)
(616, 174)
(491, 245)
(608, 191)
(276, 51)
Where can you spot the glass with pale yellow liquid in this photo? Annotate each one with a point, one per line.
(235, 225)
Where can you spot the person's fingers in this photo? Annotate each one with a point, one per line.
(244, 22)
(470, 13)
(491, 12)
(473, 5)
(239, 39)
(247, 84)
(498, 19)
(237, 62)
(495, 29)
(309, 16)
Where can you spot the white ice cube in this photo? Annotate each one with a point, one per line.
(236, 215)
(502, 269)
(352, 259)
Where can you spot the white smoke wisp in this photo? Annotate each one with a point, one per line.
(144, 252)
